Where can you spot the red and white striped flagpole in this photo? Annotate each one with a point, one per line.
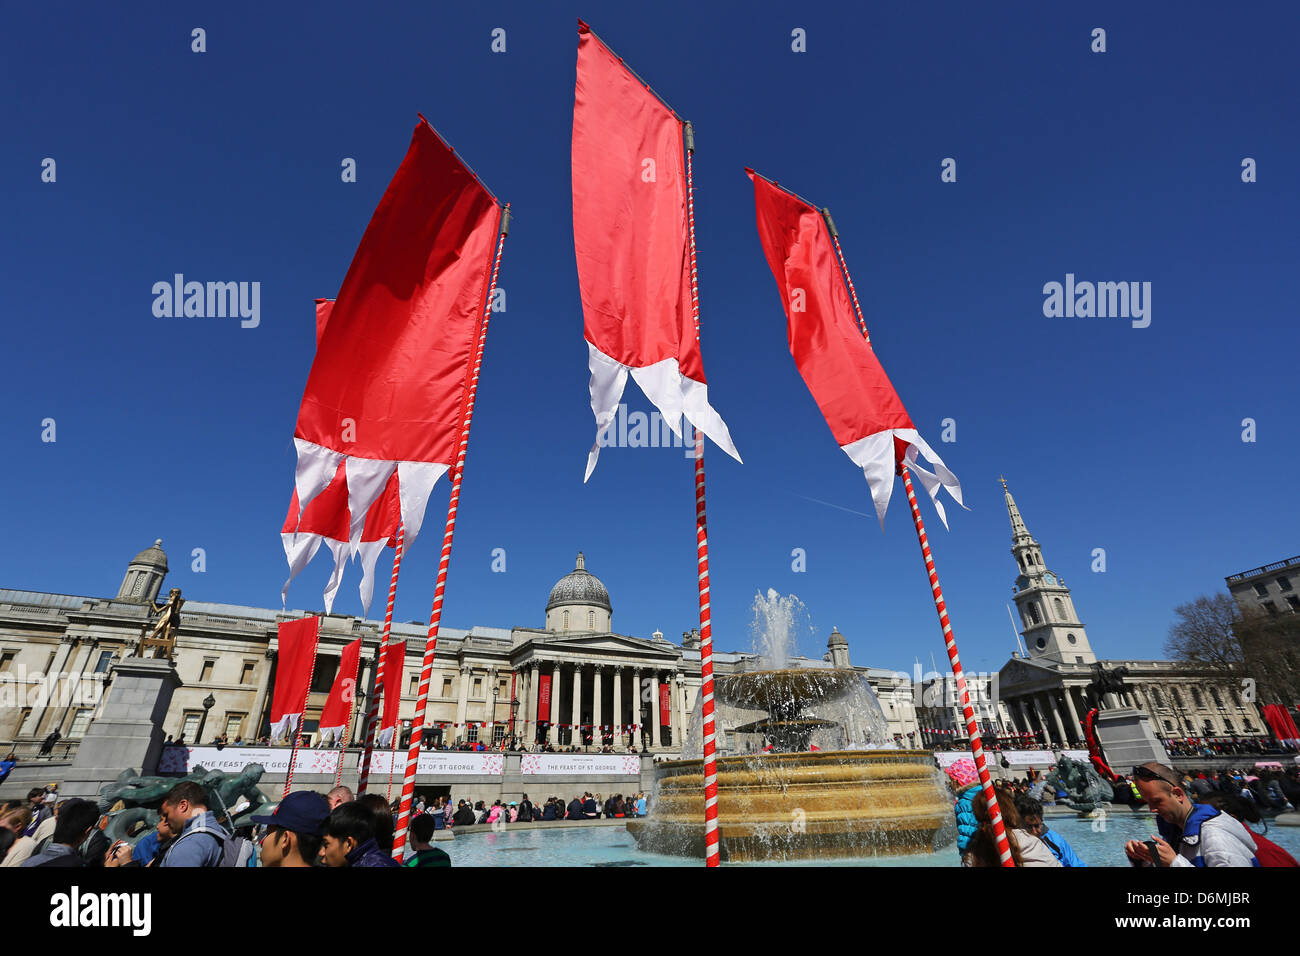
(372, 712)
(347, 729)
(435, 614)
(297, 737)
(711, 850)
(950, 642)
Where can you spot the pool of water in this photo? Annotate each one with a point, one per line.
(1098, 843)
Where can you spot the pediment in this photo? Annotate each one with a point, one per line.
(1019, 672)
(604, 643)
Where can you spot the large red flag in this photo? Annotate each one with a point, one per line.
(338, 706)
(328, 521)
(629, 233)
(293, 666)
(840, 368)
(394, 662)
(387, 389)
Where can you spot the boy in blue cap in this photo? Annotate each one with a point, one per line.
(295, 829)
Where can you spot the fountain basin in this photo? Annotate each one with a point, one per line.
(794, 806)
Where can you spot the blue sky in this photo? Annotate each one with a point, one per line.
(225, 166)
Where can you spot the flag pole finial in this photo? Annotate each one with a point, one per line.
(1004, 482)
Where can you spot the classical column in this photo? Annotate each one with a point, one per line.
(636, 733)
(575, 732)
(1056, 717)
(489, 706)
(679, 734)
(1041, 713)
(529, 729)
(551, 734)
(618, 706)
(1076, 725)
(69, 689)
(654, 710)
(259, 702)
(38, 715)
(462, 701)
(596, 732)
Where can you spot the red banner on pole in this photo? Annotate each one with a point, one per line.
(393, 664)
(665, 712)
(293, 666)
(544, 698)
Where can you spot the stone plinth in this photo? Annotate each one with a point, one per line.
(129, 730)
(1127, 739)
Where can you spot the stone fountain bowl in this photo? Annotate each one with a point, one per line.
(795, 806)
(758, 689)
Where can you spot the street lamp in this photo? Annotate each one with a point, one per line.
(208, 703)
(492, 724)
(514, 705)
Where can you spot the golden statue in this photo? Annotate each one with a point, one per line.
(162, 636)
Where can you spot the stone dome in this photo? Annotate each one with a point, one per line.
(579, 587)
(152, 557)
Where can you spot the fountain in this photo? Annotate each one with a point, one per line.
(807, 768)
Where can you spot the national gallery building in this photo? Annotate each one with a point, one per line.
(573, 681)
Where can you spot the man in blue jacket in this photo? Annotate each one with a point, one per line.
(1031, 814)
(201, 840)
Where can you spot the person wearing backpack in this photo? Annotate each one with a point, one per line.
(77, 820)
(202, 841)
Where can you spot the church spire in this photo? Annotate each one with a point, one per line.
(1019, 533)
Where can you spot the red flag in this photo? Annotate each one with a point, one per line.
(293, 666)
(327, 521)
(840, 368)
(338, 706)
(394, 662)
(630, 237)
(387, 388)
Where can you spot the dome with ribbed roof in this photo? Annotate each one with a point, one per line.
(144, 575)
(152, 557)
(579, 586)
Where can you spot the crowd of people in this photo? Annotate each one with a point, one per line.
(1202, 817)
(306, 828)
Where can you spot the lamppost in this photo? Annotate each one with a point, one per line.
(492, 724)
(514, 705)
(208, 703)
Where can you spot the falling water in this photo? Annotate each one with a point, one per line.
(776, 621)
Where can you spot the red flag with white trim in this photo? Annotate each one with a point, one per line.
(338, 706)
(630, 237)
(837, 363)
(293, 665)
(394, 662)
(387, 389)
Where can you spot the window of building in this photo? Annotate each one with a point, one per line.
(246, 675)
(1078, 660)
(1209, 729)
(1060, 613)
(1214, 693)
(1169, 726)
(566, 620)
(1178, 698)
(591, 620)
(1033, 613)
(22, 719)
(80, 722)
(322, 678)
(1249, 729)
(1040, 643)
(234, 725)
(190, 725)
(414, 689)
(105, 658)
(446, 687)
(478, 687)
(498, 734)
(6, 660)
(1227, 726)
(1293, 601)
(1072, 639)
(1196, 697)
(1284, 583)
(471, 733)
(1236, 697)
(1261, 590)
(206, 673)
